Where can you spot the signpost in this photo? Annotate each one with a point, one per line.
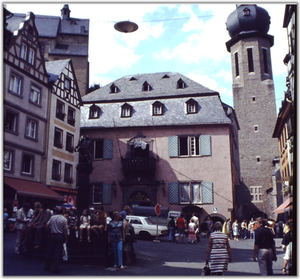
(157, 211)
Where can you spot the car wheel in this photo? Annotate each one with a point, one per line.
(145, 235)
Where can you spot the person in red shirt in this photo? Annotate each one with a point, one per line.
(181, 227)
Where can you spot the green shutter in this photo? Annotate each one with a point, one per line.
(107, 149)
(173, 193)
(207, 192)
(205, 145)
(107, 193)
(173, 146)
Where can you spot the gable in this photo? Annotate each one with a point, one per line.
(24, 50)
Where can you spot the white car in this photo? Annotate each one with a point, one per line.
(145, 228)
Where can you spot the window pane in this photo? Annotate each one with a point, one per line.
(196, 193)
(183, 146)
(10, 121)
(194, 145)
(7, 160)
(15, 84)
(97, 193)
(35, 95)
(27, 164)
(185, 192)
(98, 154)
(23, 51)
(31, 56)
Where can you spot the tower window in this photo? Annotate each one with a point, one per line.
(258, 159)
(246, 12)
(250, 60)
(253, 99)
(256, 128)
(236, 61)
(265, 58)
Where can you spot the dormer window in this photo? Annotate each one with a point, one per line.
(157, 108)
(165, 76)
(126, 110)
(146, 86)
(94, 112)
(246, 12)
(133, 78)
(180, 84)
(114, 88)
(191, 106)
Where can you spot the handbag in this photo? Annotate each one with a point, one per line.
(206, 270)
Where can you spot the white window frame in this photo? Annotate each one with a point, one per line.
(24, 168)
(31, 56)
(31, 129)
(126, 111)
(191, 146)
(157, 109)
(15, 84)
(23, 51)
(190, 192)
(256, 193)
(7, 160)
(35, 95)
(191, 107)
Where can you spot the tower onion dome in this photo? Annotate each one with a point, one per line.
(248, 18)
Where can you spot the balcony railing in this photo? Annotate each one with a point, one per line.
(138, 165)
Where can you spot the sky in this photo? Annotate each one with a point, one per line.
(172, 37)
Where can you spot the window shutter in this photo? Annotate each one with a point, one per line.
(107, 193)
(107, 149)
(207, 192)
(205, 145)
(173, 193)
(173, 146)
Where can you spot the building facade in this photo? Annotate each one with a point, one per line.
(285, 126)
(63, 130)
(26, 91)
(254, 103)
(163, 139)
(63, 38)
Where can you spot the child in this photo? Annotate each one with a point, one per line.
(85, 221)
(73, 222)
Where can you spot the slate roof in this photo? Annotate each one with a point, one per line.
(210, 109)
(51, 26)
(161, 87)
(55, 68)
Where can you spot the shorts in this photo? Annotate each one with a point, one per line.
(180, 231)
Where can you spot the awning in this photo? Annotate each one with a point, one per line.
(31, 188)
(284, 205)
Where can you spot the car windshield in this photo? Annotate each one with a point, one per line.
(149, 221)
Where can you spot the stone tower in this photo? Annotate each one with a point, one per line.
(254, 103)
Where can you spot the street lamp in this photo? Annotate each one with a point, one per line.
(126, 26)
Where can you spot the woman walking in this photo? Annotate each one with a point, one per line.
(235, 230)
(218, 250)
(116, 237)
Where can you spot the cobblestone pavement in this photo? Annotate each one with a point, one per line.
(153, 259)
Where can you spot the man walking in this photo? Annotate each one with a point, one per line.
(58, 236)
(264, 248)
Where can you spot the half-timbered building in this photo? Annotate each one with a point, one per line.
(26, 91)
(163, 139)
(63, 129)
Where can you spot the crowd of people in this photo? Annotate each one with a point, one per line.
(58, 224)
(55, 226)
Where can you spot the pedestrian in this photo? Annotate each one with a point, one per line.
(250, 228)
(181, 227)
(116, 237)
(171, 227)
(125, 211)
(264, 248)
(197, 230)
(85, 221)
(225, 228)
(235, 230)
(287, 248)
(192, 232)
(41, 226)
(210, 225)
(218, 250)
(58, 225)
(229, 229)
(21, 223)
(244, 228)
(127, 244)
(5, 219)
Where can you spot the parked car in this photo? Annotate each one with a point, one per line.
(145, 228)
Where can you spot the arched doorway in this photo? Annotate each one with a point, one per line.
(189, 210)
(139, 198)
